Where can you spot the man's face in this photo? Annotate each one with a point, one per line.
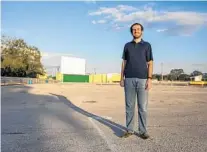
(136, 31)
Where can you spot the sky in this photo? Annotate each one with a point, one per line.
(98, 31)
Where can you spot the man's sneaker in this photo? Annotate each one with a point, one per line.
(127, 134)
(144, 136)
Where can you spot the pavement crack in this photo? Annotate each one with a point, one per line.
(12, 133)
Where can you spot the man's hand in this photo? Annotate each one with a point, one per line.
(122, 83)
(148, 84)
(122, 73)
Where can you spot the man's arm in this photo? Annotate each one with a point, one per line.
(123, 65)
(150, 68)
(149, 58)
(122, 69)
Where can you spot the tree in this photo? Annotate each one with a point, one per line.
(204, 76)
(184, 77)
(20, 59)
(156, 76)
(172, 77)
(196, 73)
(175, 73)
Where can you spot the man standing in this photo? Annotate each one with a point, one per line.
(136, 75)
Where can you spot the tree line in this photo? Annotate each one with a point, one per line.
(179, 75)
(18, 59)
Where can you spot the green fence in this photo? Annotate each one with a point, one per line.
(75, 78)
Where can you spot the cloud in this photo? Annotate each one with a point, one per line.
(182, 30)
(113, 10)
(161, 30)
(106, 11)
(117, 27)
(126, 8)
(177, 22)
(90, 1)
(93, 22)
(99, 22)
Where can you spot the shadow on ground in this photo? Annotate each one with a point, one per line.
(118, 129)
(36, 122)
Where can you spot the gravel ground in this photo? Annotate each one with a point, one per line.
(87, 117)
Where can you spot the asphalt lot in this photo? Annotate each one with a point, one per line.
(53, 118)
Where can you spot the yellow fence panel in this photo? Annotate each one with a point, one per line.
(104, 78)
(113, 77)
(59, 76)
(116, 77)
(98, 78)
(198, 82)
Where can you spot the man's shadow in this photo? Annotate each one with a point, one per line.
(118, 129)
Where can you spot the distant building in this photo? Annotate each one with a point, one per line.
(66, 68)
(63, 63)
(196, 78)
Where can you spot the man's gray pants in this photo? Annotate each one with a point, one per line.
(135, 90)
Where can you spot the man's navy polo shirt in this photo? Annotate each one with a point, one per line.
(137, 55)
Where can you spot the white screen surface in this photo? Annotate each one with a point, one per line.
(72, 65)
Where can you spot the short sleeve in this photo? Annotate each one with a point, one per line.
(149, 54)
(124, 54)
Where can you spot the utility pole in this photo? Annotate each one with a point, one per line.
(161, 71)
(94, 70)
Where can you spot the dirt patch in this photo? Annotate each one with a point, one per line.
(92, 101)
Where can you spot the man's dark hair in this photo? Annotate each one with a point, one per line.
(142, 28)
